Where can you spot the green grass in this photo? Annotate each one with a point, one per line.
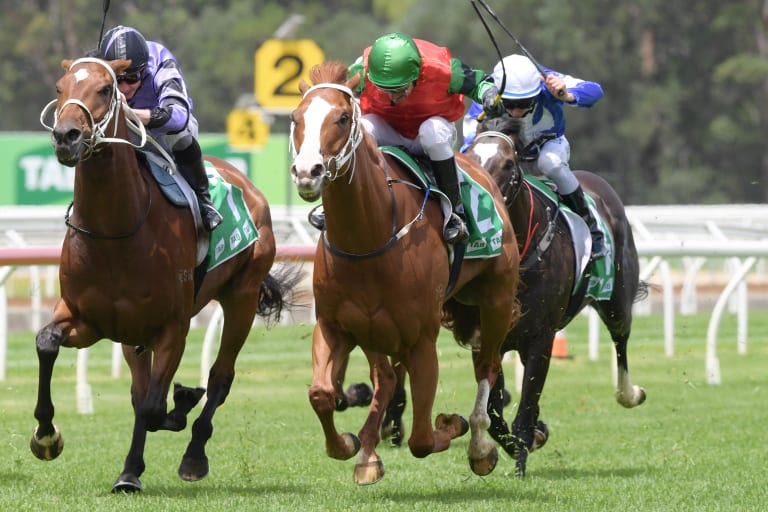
(690, 447)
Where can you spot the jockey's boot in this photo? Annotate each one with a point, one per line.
(576, 202)
(191, 167)
(455, 231)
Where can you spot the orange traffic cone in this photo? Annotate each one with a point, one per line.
(559, 346)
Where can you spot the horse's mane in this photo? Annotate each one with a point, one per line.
(329, 72)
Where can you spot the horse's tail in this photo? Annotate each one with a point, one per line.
(277, 291)
(642, 291)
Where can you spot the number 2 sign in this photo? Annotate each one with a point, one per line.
(280, 65)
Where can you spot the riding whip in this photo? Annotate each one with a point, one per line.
(498, 52)
(103, 19)
(510, 34)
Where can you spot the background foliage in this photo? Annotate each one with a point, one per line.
(684, 119)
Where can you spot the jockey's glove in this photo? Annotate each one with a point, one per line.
(492, 104)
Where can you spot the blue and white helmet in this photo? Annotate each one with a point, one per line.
(523, 79)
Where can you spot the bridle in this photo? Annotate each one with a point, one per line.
(514, 185)
(347, 152)
(341, 168)
(98, 137)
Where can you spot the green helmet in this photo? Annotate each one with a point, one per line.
(394, 61)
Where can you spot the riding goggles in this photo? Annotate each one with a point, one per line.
(129, 78)
(395, 90)
(522, 103)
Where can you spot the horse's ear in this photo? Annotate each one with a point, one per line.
(118, 66)
(66, 63)
(303, 86)
(354, 81)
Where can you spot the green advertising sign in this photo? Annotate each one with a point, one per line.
(37, 178)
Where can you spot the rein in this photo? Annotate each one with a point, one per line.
(68, 221)
(516, 184)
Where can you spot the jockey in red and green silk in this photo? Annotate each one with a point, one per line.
(411, 93)
(154, 88)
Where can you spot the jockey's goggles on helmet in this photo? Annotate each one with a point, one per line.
(129, 78)
(395, 90)
(520, 103)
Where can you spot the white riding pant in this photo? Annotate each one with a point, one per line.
(552, 162)
(436, 139)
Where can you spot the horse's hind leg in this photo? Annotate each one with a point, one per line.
(393, 428)
(619, 323)
(237, 324)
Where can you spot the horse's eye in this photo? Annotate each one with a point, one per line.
(106, 90)
(344, 119)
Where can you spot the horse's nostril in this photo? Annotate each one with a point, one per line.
(317, 170)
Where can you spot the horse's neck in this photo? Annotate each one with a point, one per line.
(358, 205)
(110, 192)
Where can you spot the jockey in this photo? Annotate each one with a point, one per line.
(411, 93)
(154, 88)
(538, 101)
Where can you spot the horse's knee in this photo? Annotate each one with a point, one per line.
(153, 415)
(322, 400)
(49, 339)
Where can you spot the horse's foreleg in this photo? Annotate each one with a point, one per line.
(422, 372)
(369, 468)
(494, 323)
(46, 442)
(327, 355)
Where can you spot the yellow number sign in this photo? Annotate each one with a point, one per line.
(280, 65)
(245, 128)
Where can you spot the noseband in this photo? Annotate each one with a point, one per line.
(512, 187)
(98, 128)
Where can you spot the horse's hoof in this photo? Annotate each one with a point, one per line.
(540, 435)
(484, 466)
(359, 395)
(192, 470)
(47, 447)
(455, 423)
(127, 483)
(349, 447)
(368, 473)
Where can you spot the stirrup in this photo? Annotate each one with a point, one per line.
(455, 231)
(316, 217)
(210, 216)
(599, 250)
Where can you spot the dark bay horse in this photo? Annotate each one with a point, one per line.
(380, 278)
(127, 272)
(549, 294)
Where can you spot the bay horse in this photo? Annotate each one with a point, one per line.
(128, 272)
(549, 294)
(381, 272)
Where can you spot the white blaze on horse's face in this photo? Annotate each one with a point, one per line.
(81, 74)
(308, 169)
(485, 151)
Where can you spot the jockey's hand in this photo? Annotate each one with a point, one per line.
(492, 105)
(556, 86)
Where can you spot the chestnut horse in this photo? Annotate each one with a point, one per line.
(380, 278)
(549, 294)
(127, 272)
